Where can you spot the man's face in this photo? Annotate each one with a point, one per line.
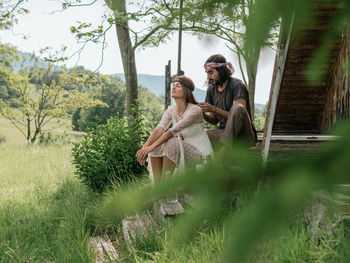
(212, 75)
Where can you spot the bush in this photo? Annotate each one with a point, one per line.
(2, 139)
(106, 155)
(51, 138)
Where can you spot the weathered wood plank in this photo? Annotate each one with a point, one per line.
(304, 101)
(281, 55)
(104, 249)
(302, 83)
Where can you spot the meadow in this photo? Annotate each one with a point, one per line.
(48, 215)
(42, 206)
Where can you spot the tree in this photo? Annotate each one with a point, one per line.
(110, 90)
(38, 104)
(9, 9)
(8, 55)
(155, 23)
(228, 21)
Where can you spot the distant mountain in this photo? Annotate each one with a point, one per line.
(26, 61)
(155, 84)
(259, 106)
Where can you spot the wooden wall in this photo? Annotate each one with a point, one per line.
(300, 105)
(337, 104)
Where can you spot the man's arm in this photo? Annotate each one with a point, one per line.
(212, 110)
(210, 117)
(241, 101)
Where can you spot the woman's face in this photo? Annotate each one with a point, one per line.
(177, 91)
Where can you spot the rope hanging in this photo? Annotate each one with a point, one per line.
(179, 71)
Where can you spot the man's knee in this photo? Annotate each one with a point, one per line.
(214, 134)
(237, 109)
(214, 137)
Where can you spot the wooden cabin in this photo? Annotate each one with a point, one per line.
(303, 112)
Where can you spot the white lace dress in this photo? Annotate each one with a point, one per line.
(190, 141)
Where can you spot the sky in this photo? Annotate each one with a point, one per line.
(47, 26)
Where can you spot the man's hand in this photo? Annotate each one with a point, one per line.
(206, 107)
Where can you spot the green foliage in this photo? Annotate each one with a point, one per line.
(301, 14)
(41, 96)
(43, 208)
(8, 55)
(288, 188)
(52, 138)
(152, 107)
(259, 118)
(47, 226)
(2, 139)
(9, 11)
(111, 91)
(106, 156)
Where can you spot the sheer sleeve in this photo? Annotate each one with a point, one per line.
(166, 119)
(194, 115)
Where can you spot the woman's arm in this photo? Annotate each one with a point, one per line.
(146, 149)
(155, 135)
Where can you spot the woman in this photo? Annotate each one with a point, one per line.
(186, 141)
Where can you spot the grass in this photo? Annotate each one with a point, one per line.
(292, 243)
(43, 207)
(47, 215)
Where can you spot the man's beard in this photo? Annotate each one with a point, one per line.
(212, 82)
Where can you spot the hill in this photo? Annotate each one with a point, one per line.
(26, 60)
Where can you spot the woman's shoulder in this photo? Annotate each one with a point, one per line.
(194, 108)
(171, 108)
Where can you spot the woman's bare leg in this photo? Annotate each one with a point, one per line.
(168, 165)
(157, 167)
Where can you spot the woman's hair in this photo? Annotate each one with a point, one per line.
(188, 88)
(224, 71)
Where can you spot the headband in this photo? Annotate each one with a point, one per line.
(191, 88)
(213, 65)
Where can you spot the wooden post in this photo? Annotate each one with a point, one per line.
(180, 41)
(167, 84)
(283, 44)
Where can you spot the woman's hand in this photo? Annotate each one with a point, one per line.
(143, 153)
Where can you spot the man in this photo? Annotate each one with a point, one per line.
(227, 103)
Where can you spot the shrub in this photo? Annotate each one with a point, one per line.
(51, 138)
(106, 155)
(2, 139)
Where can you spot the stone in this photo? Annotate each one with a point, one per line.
(138, 225)
(165, 210)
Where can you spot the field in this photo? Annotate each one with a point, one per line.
(47, 215)
(42, 206)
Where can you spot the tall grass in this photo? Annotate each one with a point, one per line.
(43, 208)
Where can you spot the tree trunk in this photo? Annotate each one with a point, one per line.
(126, 51)
(252, 68)
(28, 130)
